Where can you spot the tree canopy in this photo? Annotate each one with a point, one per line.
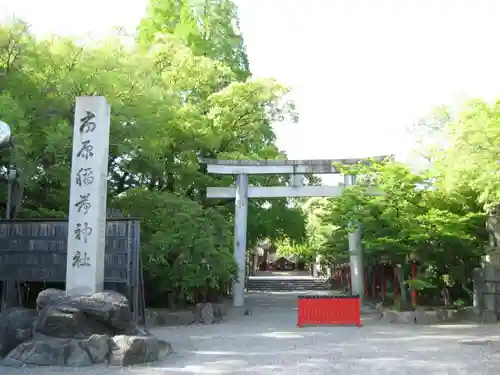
(180, 91)
(434, 216)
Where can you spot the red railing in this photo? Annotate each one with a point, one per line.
(327, 310)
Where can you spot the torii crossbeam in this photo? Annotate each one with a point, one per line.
(295, 168)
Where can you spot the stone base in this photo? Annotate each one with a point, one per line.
(200, 314)
(401, 317)
(435, 316)
(242, 311)
(97, 349)
(76, 331)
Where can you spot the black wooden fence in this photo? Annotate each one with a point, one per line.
(36, 251)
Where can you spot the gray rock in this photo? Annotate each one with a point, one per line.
(109, 308)
(115, 307)
(67, 322)
(365, 309)
(469, 313)
(9, 362)
(137, 330)
(448, 315)
(162, 317)
(77, 354)
(204, 313)
(98, 348)
(79, 331)
(442, 315)
(218, 314)
(132, 350)
(398, 317)
(420, 316)
(49, 297)
(488, 316)
(52, 352)
(16, 325)
(389, 316)
(165, 348)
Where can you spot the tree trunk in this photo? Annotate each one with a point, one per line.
(374, 280)
(445, 293)
(172, 299)
(404, 302)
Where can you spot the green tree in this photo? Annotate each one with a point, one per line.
(471, 161)
(185, 246)
(209, 27)
(169, 106)
(321, 237)
(413, 221)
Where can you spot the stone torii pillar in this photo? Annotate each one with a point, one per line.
(240, 237)
(355, 252)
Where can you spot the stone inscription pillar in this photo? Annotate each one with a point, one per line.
(88, 193)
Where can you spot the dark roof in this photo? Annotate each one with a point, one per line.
(283, 259)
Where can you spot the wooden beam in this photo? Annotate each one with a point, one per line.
(282, 191)
(283, 166)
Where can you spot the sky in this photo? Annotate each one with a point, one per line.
(361, 71)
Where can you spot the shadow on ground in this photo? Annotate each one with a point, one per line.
(268, 342)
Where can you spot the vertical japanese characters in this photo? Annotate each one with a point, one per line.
(84, 178)
(86, 260)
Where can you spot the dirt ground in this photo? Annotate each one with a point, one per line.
(268, 342)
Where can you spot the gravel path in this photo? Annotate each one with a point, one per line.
(268, 342)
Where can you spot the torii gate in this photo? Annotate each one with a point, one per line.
(297, 169)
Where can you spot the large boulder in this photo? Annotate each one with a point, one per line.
(98, 348)
(204, 313)
(68, 322)
(16, 325)
(76, 331)
(109, 309)
(132, 350)
(120, 350)
(51, 352)
(49, 297)
(62, 352)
